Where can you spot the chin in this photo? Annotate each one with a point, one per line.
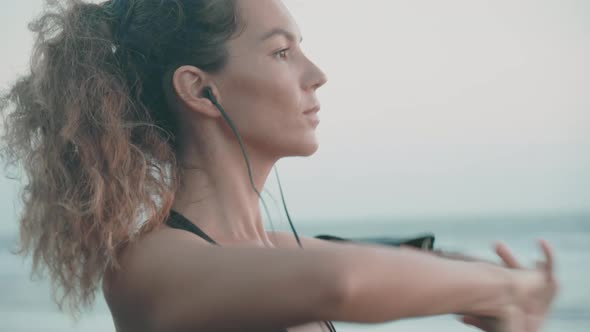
(302, 147)
(299, 150)
(313, 150)
(306, 150)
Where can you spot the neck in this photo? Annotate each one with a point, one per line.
(216, 194)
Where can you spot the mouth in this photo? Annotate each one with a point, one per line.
(312, 110)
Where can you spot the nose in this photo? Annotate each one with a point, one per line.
(316, 77)
(322, 79)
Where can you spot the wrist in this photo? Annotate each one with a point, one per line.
(504, 284)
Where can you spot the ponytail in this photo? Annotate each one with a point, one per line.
(94, 158)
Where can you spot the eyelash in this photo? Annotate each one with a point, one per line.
(281, 51)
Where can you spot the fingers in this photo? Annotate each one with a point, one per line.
(506, 254)
(549, 263)
(474, 321)
(547, 266)
(487, 324)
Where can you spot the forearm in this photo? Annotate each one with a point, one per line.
(454, 255)
(384, 284)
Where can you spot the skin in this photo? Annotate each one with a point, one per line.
(264, 92)
(264, 89)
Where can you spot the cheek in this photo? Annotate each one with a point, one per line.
(266, 107)
(264, 88)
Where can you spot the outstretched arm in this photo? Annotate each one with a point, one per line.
(173, 281)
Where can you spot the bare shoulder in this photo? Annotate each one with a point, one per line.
(123, 288)
(146, 251)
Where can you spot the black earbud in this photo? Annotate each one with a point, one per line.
(209, 95)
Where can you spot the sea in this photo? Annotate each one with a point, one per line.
(26, 306)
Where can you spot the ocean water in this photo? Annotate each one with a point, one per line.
(25, 306)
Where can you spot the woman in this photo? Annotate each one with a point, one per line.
(174, 112)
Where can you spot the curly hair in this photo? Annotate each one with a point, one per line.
(94, 132)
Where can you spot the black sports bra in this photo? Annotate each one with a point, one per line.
(177, 220)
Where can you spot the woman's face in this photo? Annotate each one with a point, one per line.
(269, 83)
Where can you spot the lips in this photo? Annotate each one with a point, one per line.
(312, 110)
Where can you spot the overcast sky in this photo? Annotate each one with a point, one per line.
(433, 108)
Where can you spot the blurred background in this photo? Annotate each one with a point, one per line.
(468, 119)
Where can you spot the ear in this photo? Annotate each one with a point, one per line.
(189, 84)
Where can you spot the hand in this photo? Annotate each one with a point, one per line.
(534, 292)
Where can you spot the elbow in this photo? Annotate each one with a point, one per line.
(356, 293)
(339, 292)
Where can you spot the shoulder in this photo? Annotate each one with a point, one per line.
(125, 289)
(161, 243)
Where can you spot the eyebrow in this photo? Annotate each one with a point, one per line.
(281, 32)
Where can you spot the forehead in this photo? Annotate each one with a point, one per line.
(261, 16)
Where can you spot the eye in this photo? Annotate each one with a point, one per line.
(282, 53)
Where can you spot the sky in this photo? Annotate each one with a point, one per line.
(432, 108)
